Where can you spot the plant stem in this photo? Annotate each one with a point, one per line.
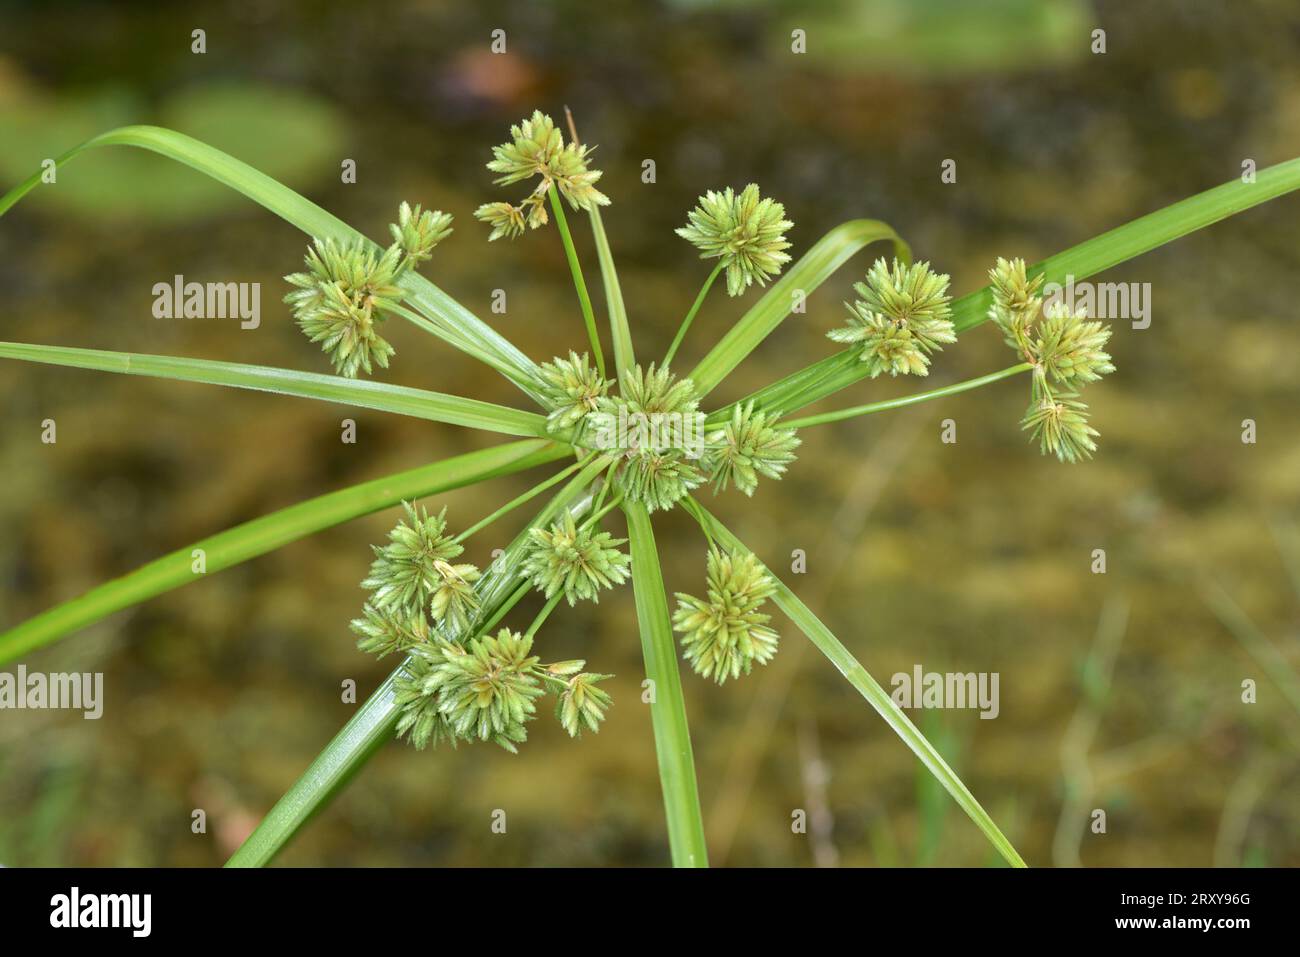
(912, 399)
(667, 708)
(544, 613)
(690, 316)
(515, 597)
(514, 503)
(579, 282)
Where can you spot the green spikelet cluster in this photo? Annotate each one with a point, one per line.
(483, 690)
(572, 388)
(745, 231)
(1067, 351)
(341, 299)
(657, 410)
(749, 445)
(901, 317)
(458, 685)
(725, 633)
(413, 572)
(576, 560)
(581, 705)
(537, 148)
(417, 231)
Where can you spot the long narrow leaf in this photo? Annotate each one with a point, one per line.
(270, 532)
(878, 698)
(813, 268)
(376, 720)
(302, 213)
(624, 356)
(362, 393)
(668, 711)
(828, 376)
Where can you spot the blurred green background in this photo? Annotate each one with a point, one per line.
(966, 557)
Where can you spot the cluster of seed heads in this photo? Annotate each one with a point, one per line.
(459, 683)
(1066, 351)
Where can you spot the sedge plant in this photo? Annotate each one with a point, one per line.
(637, 436)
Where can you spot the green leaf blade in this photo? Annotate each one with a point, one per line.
(879, 699)
(266, 534)
(668, 712)
(361, 393)
(301, 212)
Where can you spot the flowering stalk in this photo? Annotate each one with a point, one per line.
(575, 267)
(690, 315)
(884, 405)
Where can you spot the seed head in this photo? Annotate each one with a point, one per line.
(745, 231)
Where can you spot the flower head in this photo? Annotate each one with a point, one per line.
(537, 148)
(481, 690)
(487, 687)
(1060, 424)
(725, 633)
(655, 423)
(657, 391)
(420, 716)
(746, 232)
(454, 601)
(412, 567)
(581, 704)
(900, 319)
(576, 560)
(505, 220)
(339, 302)
(658, 480)
(395, 630)
(572, 387)
(748, 446)
(1016, 302)
(1070, 348)
(418, 231)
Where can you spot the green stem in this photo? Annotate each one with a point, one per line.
(600, 513)
(514, 503)
(690, 316)
(668, 708)
(905, 400)
(579, 282)
(515, 597)
(544, 613)
(689, 504)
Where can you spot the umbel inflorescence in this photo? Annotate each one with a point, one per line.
(644, 435)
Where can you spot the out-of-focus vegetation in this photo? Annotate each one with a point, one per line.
(969, 557)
